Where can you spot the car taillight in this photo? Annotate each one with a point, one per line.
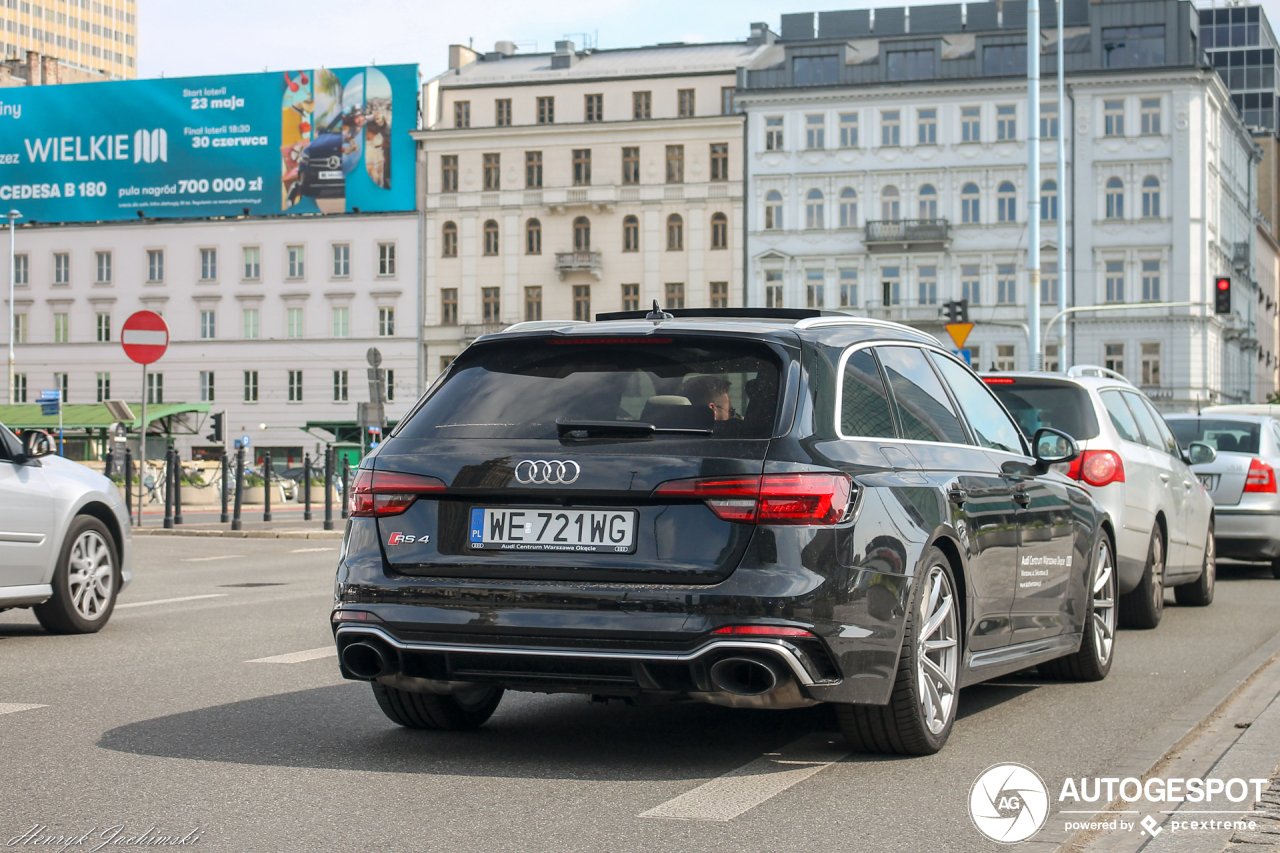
(763, 631)
(1097, 467)
(998, 380)
(809, 498)
(382, 493)
(1261, 477)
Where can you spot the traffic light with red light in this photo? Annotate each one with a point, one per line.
(1222, 296)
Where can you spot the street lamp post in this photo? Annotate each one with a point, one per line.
(13, 216)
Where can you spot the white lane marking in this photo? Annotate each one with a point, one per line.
(309, 550)
(171, 600)
(13, 707)
(738, 791)
(300, 657)
(206, 559)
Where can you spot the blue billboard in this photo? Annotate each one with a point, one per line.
(325, 140)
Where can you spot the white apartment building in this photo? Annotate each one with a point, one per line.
(269, 319)
(887, 174)
(558, 186)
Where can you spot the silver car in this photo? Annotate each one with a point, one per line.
(1242, 479)
(1132, 464)
(64, 537)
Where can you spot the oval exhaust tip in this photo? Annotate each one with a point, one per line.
(364, 661)
(746, 676)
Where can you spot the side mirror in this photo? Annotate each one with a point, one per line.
(36, 443)
(1052, 447)
(1199, 453)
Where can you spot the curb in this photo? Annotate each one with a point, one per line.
(241, 534)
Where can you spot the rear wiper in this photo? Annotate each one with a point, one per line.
(639, 429)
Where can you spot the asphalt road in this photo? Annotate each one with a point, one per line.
(165, 719)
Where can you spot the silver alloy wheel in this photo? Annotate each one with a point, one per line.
(1210, 563)
(1104, 605)
(1157, 573)
(937, 650)
(90, 575)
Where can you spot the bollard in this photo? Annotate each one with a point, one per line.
(235, 518)
(108, 463)
(177, 487)
(128, 482)
(306, 487)
(168, 489)
(346, 489)
(222, 487)
(328, 488)
(266, 486)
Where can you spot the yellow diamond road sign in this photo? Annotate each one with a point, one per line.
(959, 333)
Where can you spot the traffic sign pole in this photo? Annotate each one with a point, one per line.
(142, 446)
(145, 337)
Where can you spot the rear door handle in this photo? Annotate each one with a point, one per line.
(957, 494)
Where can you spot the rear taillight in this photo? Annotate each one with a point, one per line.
(810, 498)
(1261, 477)
(763, 631)
(1097, 467)
(382, 493)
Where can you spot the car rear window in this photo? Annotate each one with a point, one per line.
(519, 388)
(1218, 433)
(1057, 405)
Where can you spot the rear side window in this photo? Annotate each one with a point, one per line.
(1168, 443)
(1058, 405)
(1228, 435)
(924, 409)
(988, 421)
(1121, 418)
(519, 388)
(1146, 422)
(864, 405)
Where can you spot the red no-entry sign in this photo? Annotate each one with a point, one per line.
(145, 337)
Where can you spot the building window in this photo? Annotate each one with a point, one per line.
(890, 286)
(449, 173)
(448, 306)
(103, 267)
(582, 302)
(675, 164)
(675, 295)
(773, 288)
(815, 70)
(104, 327)
(449, 241)
(719, 294)
(593, 108)
(546, 110)
(910, 64)
(1006, 201)
(386, 322)
(104, 387)
(1005, 358)
(251, 386)
(1049, 282)
(206, 386)
(61, 268)
(630, 297)
(502, 112)
(339, 386)
(1113, 118)
(1115, 281)
(969, 198)
(813, 210)
(773, 211)
(848, 288)
(675, 233)
(890, 204)
(726, 100)
(391, 386)
(342, 322)
(208, 264)
(295, 386)
(1049, 201)
(815, 290)
(208, 324)
(445, 361)
(19, 328)
(533, 237)
(20, 267)
(155, 388)
(848, 130)
(848, 208)
(533, 303)
(61, 328)
(1113, 357)
(1051, 360)
(1151, 364)
(1049, 120)
(1000, 59)
(61, 381)
(491, 304)
(971, 283)
(582, 234)
(641, 105)
(890, 127)
(155, 265)
(631, 165)
(970, 124)
(1115, 198)
(773, 133)
(1150, 281)
(719, 231)
(250, 316)
(1151, 197)
(252, 263)
(1133, 47)
(928, 202)
(1006, 284)
(490, 237)
(719, 161)
(462, 114)
(1150, 119)
(927, 126)
(630, 234)
(815, 132)
(341, 260)
(386, 259)
(293, 322)
(297, 261)
(1006, 123)
(533, 169)
(927, 279)
(19, 387)
(686, 103)
(581, 166)
(493, 171)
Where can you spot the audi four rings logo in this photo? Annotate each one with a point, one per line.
(545, 472)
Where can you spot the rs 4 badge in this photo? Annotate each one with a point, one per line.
(407, 539)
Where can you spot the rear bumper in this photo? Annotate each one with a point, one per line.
(1247, 534)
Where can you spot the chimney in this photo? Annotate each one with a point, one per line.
(506, 48)
(52, 71)
(564, 57)
(460, 56)
(33, 68)
(760, 34)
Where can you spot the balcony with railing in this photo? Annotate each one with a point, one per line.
(906, 233)
(569, 262)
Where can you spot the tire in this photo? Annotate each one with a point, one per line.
(1200, 592)
(1097, 647)
(1275, 568)
(432, 711)
(1143, 607)
(922, 708)
(85, 582)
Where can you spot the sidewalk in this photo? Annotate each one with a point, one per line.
(286, 523)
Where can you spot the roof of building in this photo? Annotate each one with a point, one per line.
(662, 59)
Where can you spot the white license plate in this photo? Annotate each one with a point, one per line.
(611, 531)
(1209, 481)
(335, 175)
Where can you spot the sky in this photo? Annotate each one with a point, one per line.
(178, 38)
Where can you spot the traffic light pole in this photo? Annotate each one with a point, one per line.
(1066, 312)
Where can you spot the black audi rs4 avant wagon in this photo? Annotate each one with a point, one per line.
(753, 508)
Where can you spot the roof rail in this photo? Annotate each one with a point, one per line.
(786, 314)
(533, 325)
(1095, 370)
(828, 322)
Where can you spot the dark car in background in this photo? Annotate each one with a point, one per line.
(320, 174)
(752, 508)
